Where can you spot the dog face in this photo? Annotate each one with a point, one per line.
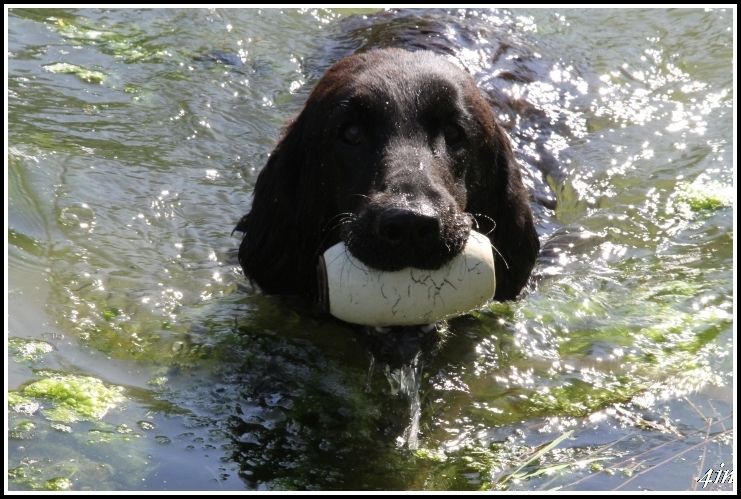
(401, 135)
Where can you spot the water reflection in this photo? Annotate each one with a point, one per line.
(121, 194)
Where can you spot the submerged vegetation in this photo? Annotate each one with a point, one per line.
(74, 398)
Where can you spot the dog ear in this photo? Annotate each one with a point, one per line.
(499, 195)
(292, 203)
(289, 207)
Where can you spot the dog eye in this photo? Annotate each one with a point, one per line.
(351, 133)
(453, 134)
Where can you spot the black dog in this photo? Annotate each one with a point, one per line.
(397, 154)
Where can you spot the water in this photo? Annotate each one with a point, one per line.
(141, 359)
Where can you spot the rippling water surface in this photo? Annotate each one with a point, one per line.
(140, 359)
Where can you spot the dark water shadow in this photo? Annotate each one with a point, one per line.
(312, 403)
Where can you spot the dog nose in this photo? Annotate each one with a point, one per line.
(404, 227)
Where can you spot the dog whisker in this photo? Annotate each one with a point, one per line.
(348, 216)
(487, 217)
(474, 221)
(501, 256)
(340, 224)
(362, 196)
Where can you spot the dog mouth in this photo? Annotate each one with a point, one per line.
(393, 238)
